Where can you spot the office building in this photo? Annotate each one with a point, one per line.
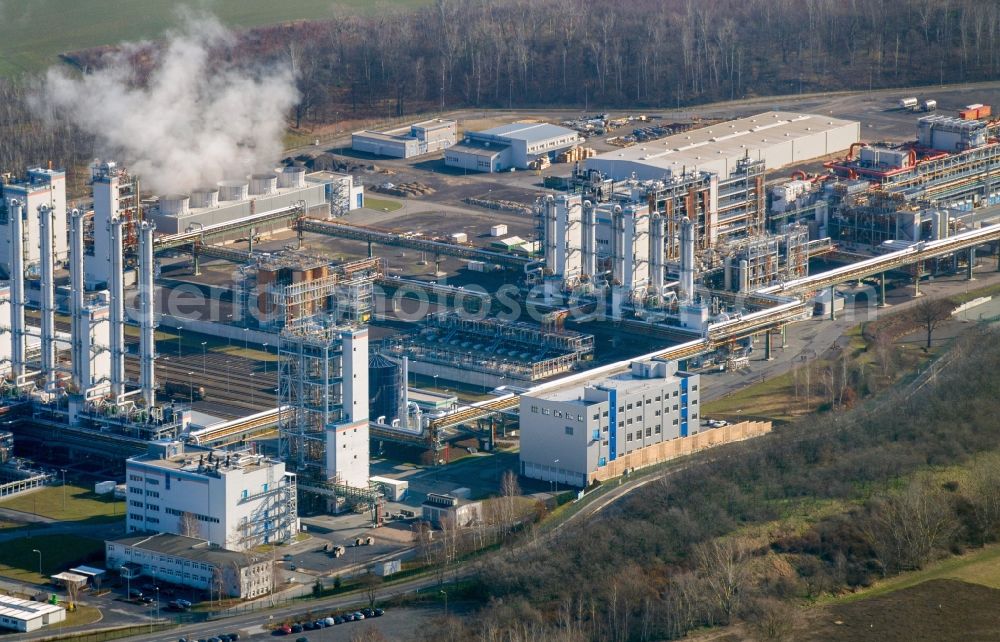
(236, 500)
(569, 434)
(421, 138)
(516, 146)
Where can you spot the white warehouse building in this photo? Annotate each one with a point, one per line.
(510, 146)
(39, 187)
(425, 137)
(776, 137)
(236, 500)
(568, 435)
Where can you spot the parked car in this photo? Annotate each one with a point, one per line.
(339, 619)
(284, 629)
(330, 621)
(296, 628)
(358, 615)
(379, 612)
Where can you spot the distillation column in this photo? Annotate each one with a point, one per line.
(48, 297)
(656, 250)
(589, 241)
(687, 260)
(80, 357)
(550, 237)
(116, 287)
(618, 244)
(17, 357)
(147, 327)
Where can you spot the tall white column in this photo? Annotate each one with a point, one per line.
(48, 296)
(147, 327)
(116, 287)
(17, 358)
(78, 329)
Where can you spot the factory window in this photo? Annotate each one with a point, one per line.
(152, 520)
(621, 408)
(629, 406)
(675, 422)
(595, 435)
(152, 493)
(153, 507)
(597, 416)
(694, 416)
(135, 516)
(629, 422)
(675, 393)
(658, 412)
(605, 429)
(675, 406)
(558, 413)
(605, 442)
(534, 409)
(137, 491)
(153, 482)
(694, 387)
(694, 402)
(621, 424)
(657, 429)
(569, 430)
(628, 437)
(579, 417)
(135, 503)
(649, 432)
(658, 397)
(137, 478)
(605, 414)
(545, 411)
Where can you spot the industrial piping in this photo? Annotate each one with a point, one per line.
(48, 304)
(147, 327)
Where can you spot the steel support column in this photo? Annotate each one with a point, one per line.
(881, 290)
(833, 303)
(971, 265)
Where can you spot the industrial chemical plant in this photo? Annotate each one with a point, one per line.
(579, 342)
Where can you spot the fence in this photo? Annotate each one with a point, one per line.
(106, 634)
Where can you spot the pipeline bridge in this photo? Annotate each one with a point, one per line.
(237, 430)
(916, 253)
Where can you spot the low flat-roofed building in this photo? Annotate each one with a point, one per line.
(194, 562)
(776, 137)
(425, 137)
(441, 510)
(516, 145)
(27, 615)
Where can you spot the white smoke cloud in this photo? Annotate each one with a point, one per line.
(198, 119)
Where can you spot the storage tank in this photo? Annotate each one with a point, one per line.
(205, 197)
(174, 204)
(263, 184)
(384, 382)
(233, 190)
(291, 177)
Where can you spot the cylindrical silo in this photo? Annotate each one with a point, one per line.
(291, 177)
(233, 190)
(384, 381)
(263, 184)
(205, 197)
(174, 204)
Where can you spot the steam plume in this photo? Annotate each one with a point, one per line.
(197, 119)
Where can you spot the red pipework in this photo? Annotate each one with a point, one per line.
(799, 174)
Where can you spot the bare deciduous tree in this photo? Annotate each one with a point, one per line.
(930, 314)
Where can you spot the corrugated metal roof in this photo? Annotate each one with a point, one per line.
(528, 131)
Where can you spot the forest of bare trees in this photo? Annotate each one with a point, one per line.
(575, 53)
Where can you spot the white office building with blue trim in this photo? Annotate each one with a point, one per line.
(568, 434)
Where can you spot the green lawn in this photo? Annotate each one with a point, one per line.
(19, 561)
(33, 33)
(381, 204)
(79, 504)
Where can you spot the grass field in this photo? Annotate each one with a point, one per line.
(382, 204)
(19, 561)
(32, 34)
(80, 504)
